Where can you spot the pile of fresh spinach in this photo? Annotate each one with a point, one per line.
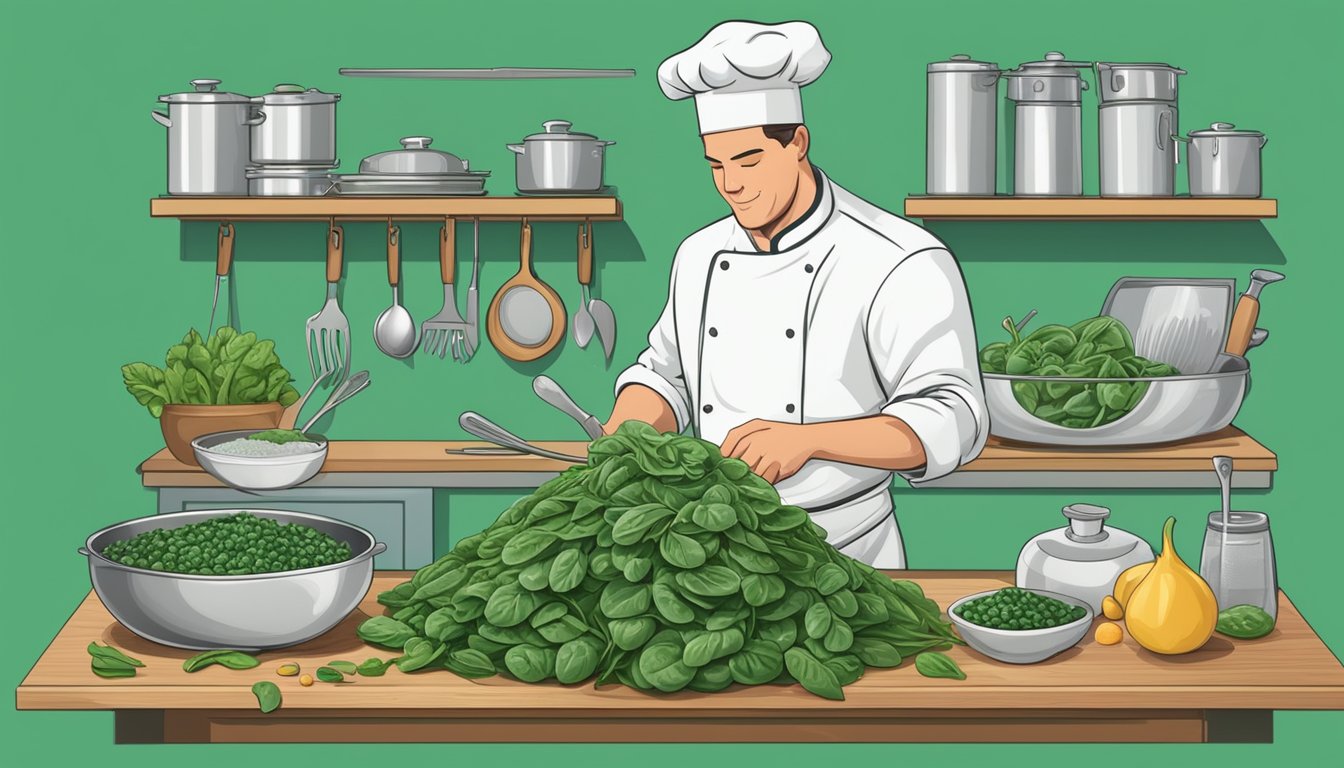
(1096, 348)
(664, 566)
(231, 368)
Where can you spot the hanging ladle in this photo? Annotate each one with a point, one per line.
(395, 331)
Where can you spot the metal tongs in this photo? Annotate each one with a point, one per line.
(476, 424)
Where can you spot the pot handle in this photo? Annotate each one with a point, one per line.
(84, 551)
(257, 119)
(1163, 133)
(517, 149)
(1264, 140)
(378, 548)
(161, 118)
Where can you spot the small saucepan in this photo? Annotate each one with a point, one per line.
(559, 161)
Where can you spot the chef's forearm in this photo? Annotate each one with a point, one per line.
(639, 403)
(884, 442)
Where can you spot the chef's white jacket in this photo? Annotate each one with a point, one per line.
(852, 312)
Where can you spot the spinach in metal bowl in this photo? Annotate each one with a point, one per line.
(1096, 348)
(663, 566)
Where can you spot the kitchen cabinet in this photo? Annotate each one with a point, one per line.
(1224, 692)
(1089, 208)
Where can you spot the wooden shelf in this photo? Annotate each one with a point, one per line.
(1186, 464)
(380, 208)
(1089, 208)
(427, 464)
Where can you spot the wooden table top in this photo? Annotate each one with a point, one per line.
(162, 470)
(1289, 669)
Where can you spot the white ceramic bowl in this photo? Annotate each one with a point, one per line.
(1022, 646)
(257, 473)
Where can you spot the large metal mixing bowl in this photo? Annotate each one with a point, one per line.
(1173, 408)
(247, 613)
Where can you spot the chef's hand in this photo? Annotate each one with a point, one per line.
(773, 449)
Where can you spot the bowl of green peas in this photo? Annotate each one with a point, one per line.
(1020, 626)
(246, 579)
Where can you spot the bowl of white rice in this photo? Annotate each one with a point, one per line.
(240, 460)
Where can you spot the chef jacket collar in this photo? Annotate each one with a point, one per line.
(807, 225)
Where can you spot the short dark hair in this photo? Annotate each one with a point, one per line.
(783, 132)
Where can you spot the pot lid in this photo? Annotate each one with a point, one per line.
(414, 158)
(558, 130)
(289, 171)
(1224, 129)
(1054, 64)
(1141, 65)
(288, 93)
(205, 93)
(1086, 539)
(962, 63)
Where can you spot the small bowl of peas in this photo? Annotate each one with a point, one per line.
(1020, 626)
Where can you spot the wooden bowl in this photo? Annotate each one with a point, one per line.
(183, 423)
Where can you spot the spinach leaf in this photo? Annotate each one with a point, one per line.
(933, 664)
(224, 658)
(268, 696)
(812, 674)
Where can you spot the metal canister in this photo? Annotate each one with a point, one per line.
(1137, 129)
(1047, 142)
(960, 134)
(1137, 148)
(209, 141)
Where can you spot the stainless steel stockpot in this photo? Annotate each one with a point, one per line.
(1225, 161)
(1047, 123)
(960, 133)
(299, 129)
(1137, 146)
(559, 160)
(209, 139)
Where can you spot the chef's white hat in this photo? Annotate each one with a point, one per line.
(744, 74)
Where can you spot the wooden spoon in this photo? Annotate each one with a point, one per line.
(526, 318)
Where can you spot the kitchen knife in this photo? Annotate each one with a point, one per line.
(551, 392)
(1248, 312)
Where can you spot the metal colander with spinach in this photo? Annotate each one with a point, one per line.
(230, 545)
(663, 566)
(1096, 348)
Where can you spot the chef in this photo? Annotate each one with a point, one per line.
(822, 340)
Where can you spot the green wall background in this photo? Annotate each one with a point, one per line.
(89, 282)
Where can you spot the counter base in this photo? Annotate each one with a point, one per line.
(159, 726)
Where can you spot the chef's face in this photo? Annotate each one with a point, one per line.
(756, 175)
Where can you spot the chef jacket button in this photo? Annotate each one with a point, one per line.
(789, 333)
(808, 269)
(789, 407)
(708, 408)
(713, 331)
(723, 265)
